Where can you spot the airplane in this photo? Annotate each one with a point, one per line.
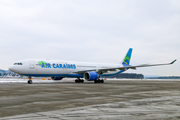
(59, 69)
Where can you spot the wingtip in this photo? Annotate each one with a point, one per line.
(173, 61)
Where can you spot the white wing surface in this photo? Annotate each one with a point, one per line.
(104, 70)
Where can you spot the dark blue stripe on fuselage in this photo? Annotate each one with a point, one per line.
(67, 75)
(54, 75)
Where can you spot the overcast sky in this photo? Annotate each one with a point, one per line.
(92, 31)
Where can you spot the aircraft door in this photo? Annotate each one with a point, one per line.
(31, 64)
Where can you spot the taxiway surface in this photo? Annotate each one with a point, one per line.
(121, 99)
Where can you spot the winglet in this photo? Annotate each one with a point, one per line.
(173, 61)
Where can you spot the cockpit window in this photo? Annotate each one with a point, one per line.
(18, 64)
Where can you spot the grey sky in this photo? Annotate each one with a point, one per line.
(92, 30)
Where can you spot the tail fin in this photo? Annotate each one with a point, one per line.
(127, 58)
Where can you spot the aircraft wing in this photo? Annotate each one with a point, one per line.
(143, 65)
(103, 70)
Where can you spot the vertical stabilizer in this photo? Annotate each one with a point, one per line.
(127, 58)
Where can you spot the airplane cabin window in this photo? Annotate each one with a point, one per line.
(18, 64)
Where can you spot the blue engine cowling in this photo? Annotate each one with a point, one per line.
(56, 78)
(91, 76)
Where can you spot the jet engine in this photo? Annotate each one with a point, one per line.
(91, 76)
(56, 78)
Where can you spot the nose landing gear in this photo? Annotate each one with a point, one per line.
(30, 80)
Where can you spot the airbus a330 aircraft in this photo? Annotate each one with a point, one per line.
(58, 69)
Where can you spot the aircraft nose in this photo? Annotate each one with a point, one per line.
(11, 68)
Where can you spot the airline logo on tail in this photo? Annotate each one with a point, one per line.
(127, 58)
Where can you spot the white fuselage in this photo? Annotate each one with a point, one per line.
(58, 68)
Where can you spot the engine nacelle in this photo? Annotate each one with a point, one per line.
(91, 76)
(56, 78)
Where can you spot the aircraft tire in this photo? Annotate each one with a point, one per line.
(29, 81)
(79, 81)
(99, 81)
(102, 81)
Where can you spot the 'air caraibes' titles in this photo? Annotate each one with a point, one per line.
(56, 65)
(59, 69)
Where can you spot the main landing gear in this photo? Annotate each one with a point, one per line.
(79, 80)
(30, 80)
(99, 81)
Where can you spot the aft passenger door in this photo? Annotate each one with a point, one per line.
(31, 64)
